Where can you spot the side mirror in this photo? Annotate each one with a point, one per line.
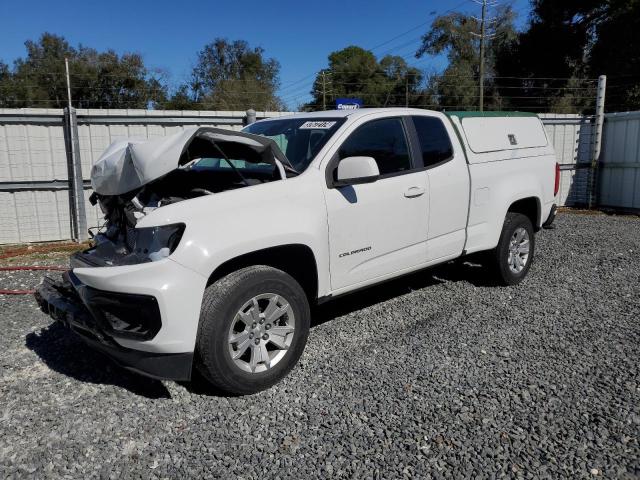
(355, 170)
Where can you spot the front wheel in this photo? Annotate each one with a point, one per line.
(254, 325)
(512, 258)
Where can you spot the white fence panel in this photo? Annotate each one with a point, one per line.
(619, 168)
(34, 196)
(571, 136)
(32, 150)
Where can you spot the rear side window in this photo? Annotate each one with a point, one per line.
(435, 143)
(384, 140)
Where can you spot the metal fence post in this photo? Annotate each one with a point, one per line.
(597, 140)
(76, 183)
(250, 117)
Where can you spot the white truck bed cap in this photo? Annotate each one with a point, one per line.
(487, 132)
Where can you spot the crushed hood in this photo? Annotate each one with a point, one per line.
(131, 163)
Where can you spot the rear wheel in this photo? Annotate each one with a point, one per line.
(512, 258)
(253, 328)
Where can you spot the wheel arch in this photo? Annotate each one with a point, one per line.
(529, 207)
(298, 260)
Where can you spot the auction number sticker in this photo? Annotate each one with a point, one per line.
(322, 124)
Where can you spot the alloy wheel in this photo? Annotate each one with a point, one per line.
(518, 253)
(261, 332)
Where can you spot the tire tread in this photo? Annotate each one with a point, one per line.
(500, 269)
(215, 299)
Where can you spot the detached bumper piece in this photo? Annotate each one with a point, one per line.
(552, 216)
(99, 317)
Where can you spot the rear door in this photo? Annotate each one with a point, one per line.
(448, 174)
(379, 228)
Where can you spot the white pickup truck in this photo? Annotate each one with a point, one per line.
(217, 242)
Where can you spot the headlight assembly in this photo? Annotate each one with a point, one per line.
(131, 247)
(155, 243)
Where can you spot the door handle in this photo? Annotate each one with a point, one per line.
(412, 192)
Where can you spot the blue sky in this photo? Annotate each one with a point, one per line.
(299, 34)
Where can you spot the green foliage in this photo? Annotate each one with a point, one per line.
(5, 84)
(551, 48)
(356, 73)
(616, 52)
(227, 76)
(550, 66)
(233, 76)
(180, 100)
(570, 43)
(99, 79)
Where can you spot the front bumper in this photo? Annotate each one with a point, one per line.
(79, 307)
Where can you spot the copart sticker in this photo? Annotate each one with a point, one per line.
(322, 124)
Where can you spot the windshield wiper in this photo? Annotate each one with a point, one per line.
(235, 169)
(289, 169)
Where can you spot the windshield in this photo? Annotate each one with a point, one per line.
(300, 139)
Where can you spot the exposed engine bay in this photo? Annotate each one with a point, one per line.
(206, 161)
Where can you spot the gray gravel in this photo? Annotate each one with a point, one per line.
(438, 375)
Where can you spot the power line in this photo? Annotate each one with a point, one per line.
(388, 41)
(449, 80)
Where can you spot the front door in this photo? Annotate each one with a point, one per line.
(378, 228)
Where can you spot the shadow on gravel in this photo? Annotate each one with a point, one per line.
(199, 386)
(370, 296)
(465, 270)
(458, 270)
(62, 351)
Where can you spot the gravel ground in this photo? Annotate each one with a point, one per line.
(438, 375)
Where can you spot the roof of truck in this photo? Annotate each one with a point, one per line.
(477, 113)
(358, 112)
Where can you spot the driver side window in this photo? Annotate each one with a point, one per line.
(384, 140)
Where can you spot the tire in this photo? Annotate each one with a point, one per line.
(251, 305)
(508, 260)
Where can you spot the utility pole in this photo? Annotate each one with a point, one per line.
(74, 166)
(324, 91)
(406, 89)
(66, 66)
(482, 38)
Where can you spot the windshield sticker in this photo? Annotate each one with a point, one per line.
(323, 124)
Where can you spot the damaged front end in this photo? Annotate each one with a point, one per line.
(119, 242)
(143, 312)
(136, 177)
(103, 319)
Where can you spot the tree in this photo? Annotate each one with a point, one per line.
(615, 52)
(457, 35)
(354, 72)
(233, 76)
(6, 90)
(181, 99)
(98, 79)
(546, 60)
(568, 44)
